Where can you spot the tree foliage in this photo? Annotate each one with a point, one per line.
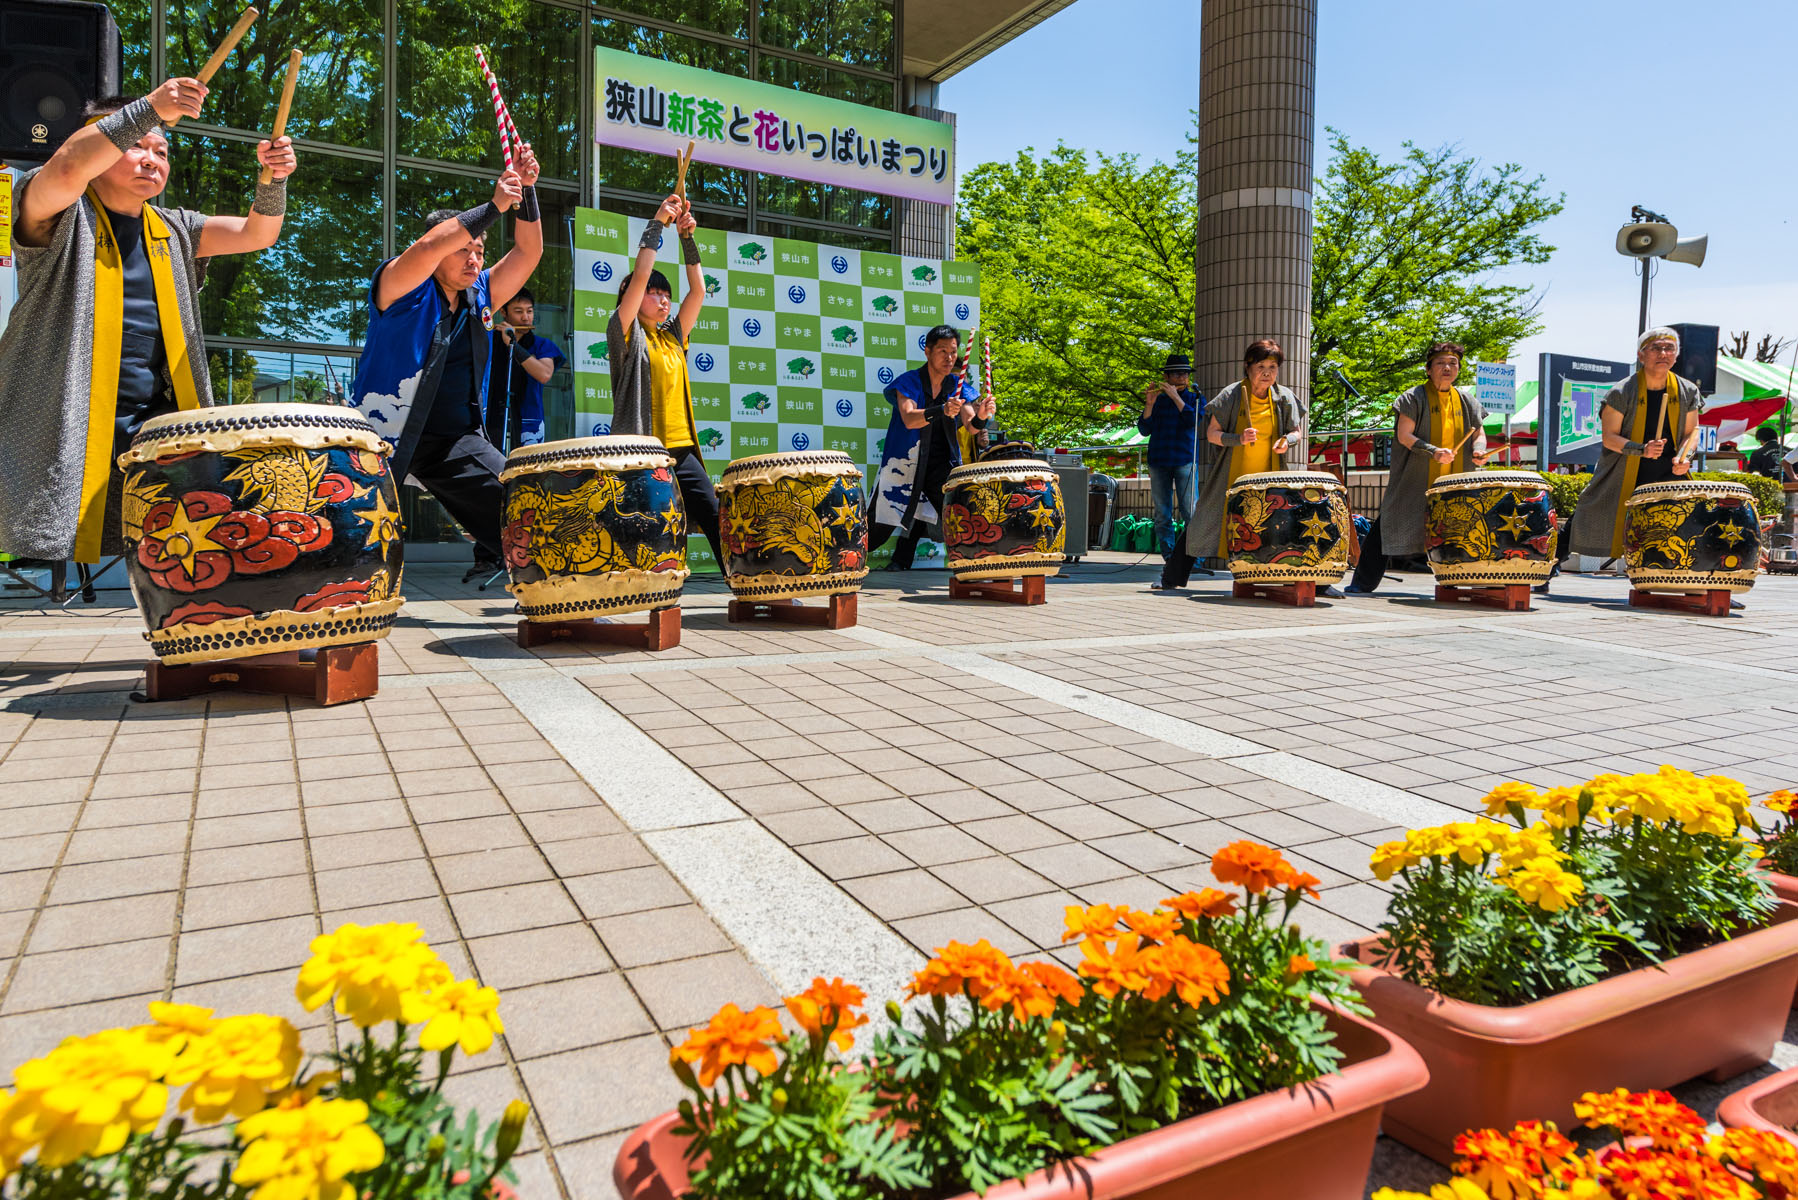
(1087, 274)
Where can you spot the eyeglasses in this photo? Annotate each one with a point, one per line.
(1662, 348)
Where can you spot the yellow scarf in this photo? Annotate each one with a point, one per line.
(1246, 460)
(109, 329)
(1639, 432)
(1448, 425)
(964, 437)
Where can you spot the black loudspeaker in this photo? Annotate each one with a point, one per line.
(1697, 359)
(55, 56)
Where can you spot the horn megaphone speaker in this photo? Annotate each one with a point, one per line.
(1648, 239)
(1689, 250)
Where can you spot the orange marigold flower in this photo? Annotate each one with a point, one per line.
(1054, 980)
(1098, 921)
(828, 1003)
(1767, 1156)
(1208, 902)
(1298, 965)
(1157, 927)
(1254, 866)
(1303, 881)
(1508, 1167)
(1115, 969)
(732, 1038)
(1194, 972)
(1782, 801)
(1653, 1115)
(1031, 990)
(959, 968)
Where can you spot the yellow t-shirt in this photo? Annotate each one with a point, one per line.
(1447, 415)
(672, 409)
(1260, 456)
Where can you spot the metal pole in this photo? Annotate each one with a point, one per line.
(1642, 318)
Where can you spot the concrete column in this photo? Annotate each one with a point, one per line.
(1257, 83)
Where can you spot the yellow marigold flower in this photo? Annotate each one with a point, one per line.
(1454, 1189)
(307, 1153)
(1510, 1166)
(460, 1013)
(1767, 1156)
(87, 1096)
(1501, 798)
(176, 1023)
(1544, 884)
(1560, 807)
(234, 1067)
(370, 970)
(1098, 921)
(1653, 1115)
(1782, 801)
(1392, 857)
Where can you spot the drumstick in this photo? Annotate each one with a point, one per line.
(1463, 442)
(293, 77)
(217, 60)
(680, 182)
(1685, 447)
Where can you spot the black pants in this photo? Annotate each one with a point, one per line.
(699, 497)
(1372, 567)
(463, 473)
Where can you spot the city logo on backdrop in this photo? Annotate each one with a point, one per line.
(963, 312)
(647, 104)
(602, 271)
(801, 441)
(839, 264)
(885, 375)
(845, 407)
(752, 327)
(796, 294)
(705, 362)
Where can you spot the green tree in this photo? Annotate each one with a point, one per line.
(1087, 274)
(1405, 253)
(1086, 282)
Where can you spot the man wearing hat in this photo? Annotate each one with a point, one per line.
(1645, 420)
(1170, 420)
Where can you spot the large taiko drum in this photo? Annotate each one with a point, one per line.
(593, 527)
(1491, 529)
(261, 528)
(1003, 519)
(1286, 527)
(793, 525)
(1690, 535)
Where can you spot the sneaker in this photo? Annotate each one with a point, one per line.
(1159, 586)
(1331, 592)
(1353, 589)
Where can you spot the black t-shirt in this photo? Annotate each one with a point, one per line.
(1765, 461)
(456, 408)
(142, 393)
(1657, 470)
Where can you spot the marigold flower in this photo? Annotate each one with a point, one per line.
(87, 1096)
(1207, 902)
(1454, 1189)
(1114, 969)
(1500, 799)
(959, 968)
(459, 1013)
(307, 1153)
(233, 1068)
(176, 1023)
(828, 1003)
(732, 1038)
(1053, 980)
(1251, 865)
(1510, 1167)
(1767, 1156)
(1560, 807)
(1156, 927)
(1389, 858)
(1782, 801)
(1303, 881)
(370, 970)
(1654, 1115)
(1193, 972)
(1545, 884)
(1298, 965)
(1100, 921)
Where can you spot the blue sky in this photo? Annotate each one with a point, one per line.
(1688, 109)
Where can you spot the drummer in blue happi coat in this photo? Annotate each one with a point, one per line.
(930, 405)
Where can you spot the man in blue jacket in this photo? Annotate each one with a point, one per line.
(1170, 420)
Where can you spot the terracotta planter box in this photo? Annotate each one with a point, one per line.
(1315, 1142)
(1786, 888)
(1770, 1104)
(1718, 1011)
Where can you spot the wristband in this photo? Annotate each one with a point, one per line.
(934, 412)
(689, 250)
(527, 205)
(652, 237)
(477, 220)
(520, 354)
(271, 198)
(126, 127)
(1634, 448)
(1423, 447)
(1226, 438)
(978, 422)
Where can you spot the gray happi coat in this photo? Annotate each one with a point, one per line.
(633, 399)
(1594, 529)
(46, 368)
(1206, 526)
(1404, 509)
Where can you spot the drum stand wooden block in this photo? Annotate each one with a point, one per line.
(337, 675)
(1298, 595)
(1711, 603)
(1510, 597)
(839, 613)
(1029, 590)
(661, 631)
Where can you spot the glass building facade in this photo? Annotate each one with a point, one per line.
(392, 120)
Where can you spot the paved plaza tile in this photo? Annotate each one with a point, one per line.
(623, 841)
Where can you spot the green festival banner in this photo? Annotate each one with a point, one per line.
(792, 350)
(647, 104)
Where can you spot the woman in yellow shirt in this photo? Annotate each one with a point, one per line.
(646, 348)
(1256, 421)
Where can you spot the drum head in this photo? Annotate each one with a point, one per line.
(1009, 450)
(1292, 478)
(1506, 478)
(228, 427)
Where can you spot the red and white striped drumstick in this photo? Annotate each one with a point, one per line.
(986, 363)
(502, 116)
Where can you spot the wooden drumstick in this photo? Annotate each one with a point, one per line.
(680, 181)
(247, 19)
(1463, 442)
(293, 77)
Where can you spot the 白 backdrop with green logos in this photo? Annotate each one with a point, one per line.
(792, 350)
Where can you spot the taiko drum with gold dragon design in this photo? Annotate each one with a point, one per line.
(793, 525)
